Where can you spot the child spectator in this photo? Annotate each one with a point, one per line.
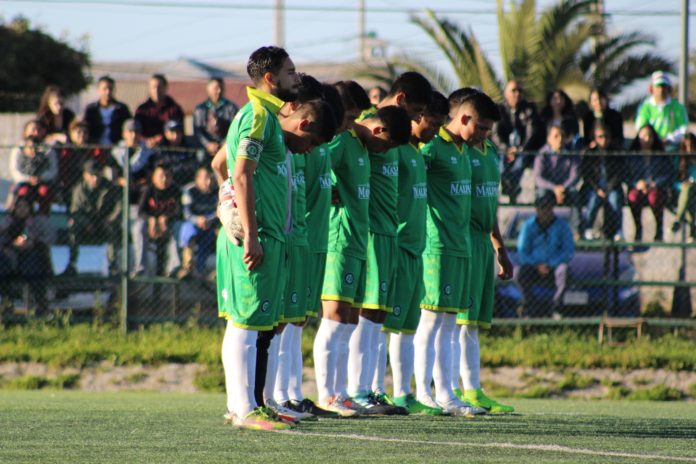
(53, 116)
(105, 116)
(179, 152)
(686, 176)
(212, 118)
(199, 228)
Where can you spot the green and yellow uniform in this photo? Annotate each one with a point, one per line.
(669, 120)
(446, 261)
(253, 299)
(344, 279)
(411, 207)
(318, 185)
(485, 179)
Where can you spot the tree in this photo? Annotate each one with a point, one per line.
(31, 60)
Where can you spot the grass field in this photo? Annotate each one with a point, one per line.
(78, 427)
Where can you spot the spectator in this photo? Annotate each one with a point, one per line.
(25, 240)
(95, 215)
(558, 172)
(545, 247)
(212, 118)
(199, 202)
(558, 110)
(601, 179)
(376, 95)
(667, 117)
(519, 130)
(34, 169)
(609, 117)
(649, 178)
(105, 117)
(159, 213)
(179, 152)
(53, 116)
(141, 158)
(156, 110)
(686, 176)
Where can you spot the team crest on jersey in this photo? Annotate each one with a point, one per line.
(293, 298)
(361, 162)
(448, 289)
(348, 278)
(265, 306)
(397, 311)
(224, 294)
(383, 287)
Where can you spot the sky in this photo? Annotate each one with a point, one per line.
(315, 30)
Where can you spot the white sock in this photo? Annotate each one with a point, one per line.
(380, 361)
(424, 354)
(272, 367)
(442, 373)
(343, 350)
(295, 385)
(325, 355)
(456, 354)
(359, 357)
(284, 369)
(471, 357)
(401, 358)
(239, 362)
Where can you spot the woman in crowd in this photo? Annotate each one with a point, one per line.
(601, 112)
(559, 110)
(54, 117)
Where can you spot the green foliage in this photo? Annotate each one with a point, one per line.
(618, 393)
(538, 391)
(656, 393)
(692, 390)
(38, 382)
(574, 381)
(211, 380)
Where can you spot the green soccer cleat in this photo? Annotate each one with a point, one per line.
(261, 418)
(478, 398)
(414, 406)
(459, 394)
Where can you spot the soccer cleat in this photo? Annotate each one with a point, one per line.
(308, 406)
(384, 399)
(478, 398)
(459, 394)
(350, 404)
(288, 414)
(337, 406)
(414, 406)
(261, 418)
(458, 408)
(372, 407)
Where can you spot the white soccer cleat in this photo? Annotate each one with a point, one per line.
(286, 413)
(335, 405)
(458, 408)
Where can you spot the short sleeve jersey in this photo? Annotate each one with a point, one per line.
(449, 196)
(413, 200)
(384, 190)
(299, 202)
(668, 120)
(349, 220)
(255, 134)
(318, 197)
(485, 179)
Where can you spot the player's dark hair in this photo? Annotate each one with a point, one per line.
(332, 97)
(360, 97)
(438, 106)
(416, 88)
(397, 123)
(265, 59)
(343, 89)
(457, 97)
(106, 78)
(160, 77)
(310, 89)
(479, 101)
(324, 124)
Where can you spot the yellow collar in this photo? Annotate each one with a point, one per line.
(444, 135)
(270, 102)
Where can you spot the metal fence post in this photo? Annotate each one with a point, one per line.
(124, 241)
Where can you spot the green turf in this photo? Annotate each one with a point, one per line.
(78, 427)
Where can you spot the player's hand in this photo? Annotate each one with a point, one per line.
(505, 265)
(253, 253)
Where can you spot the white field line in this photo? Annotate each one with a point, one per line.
(545, 448)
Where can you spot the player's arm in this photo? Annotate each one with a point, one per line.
(219, 164)
(243, 181)
(501, 252)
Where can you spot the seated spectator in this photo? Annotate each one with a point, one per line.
(601, 183)
(686, 176)
(558, 110)
(545, 247)
(95, 216)
(105, 116)
(25, 242)
(200, 224)
(34, 169)
(159, 214)
(376, 95)
(666, 116)
(212, 118)
(609, 117)
(558, 172)
(156, 110)
(649, 177)
(53, 116)
(181, 153)
(133, 148)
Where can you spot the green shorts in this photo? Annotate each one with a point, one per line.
(482, 286)
(297, 290)
(315, 280)
(409, 293)
(250, 299)
(380, 280)
(344, 279)
(446, 283)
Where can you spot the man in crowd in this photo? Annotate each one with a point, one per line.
(212, 118)
(105, 117)
(157, 110)
(667, 116)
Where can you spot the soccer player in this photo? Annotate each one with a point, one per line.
(486, 244)
(344, 281)
(402, 322)
(250, 277)
(412, 92)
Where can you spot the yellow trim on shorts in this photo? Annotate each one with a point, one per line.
(408, 331)
(312, 313)
(483, 325)
(262, 328)
(344, 299)
(377, 307)
(443, 309)
(292, 319)
(391, 331)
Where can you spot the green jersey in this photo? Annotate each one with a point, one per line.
(669, 120)
(348, 220)
(485, 179)
(413, 200)
(449, 196)
(384, 190)
(255, 134)
(318, 195)
(299, 202)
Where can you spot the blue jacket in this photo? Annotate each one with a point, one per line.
(553, 245)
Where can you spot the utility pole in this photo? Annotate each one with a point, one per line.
(362, 52)
(684, 61)
(280, 23)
